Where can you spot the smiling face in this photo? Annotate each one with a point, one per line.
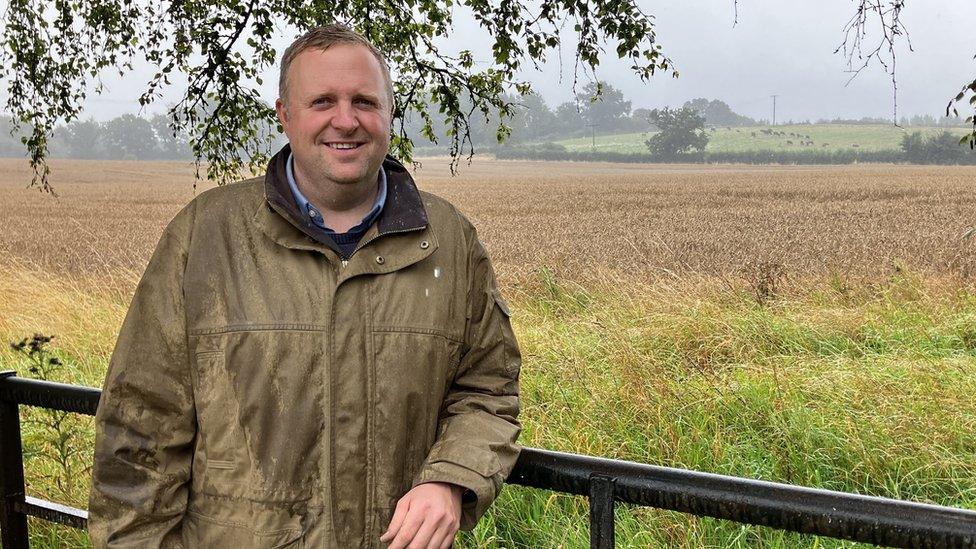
(337, 115)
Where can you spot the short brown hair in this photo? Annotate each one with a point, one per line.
(322, 38)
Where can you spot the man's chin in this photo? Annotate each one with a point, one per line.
(342, 173)
(346, 177)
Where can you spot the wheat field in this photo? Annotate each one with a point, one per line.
(582, 220)
(815, 326)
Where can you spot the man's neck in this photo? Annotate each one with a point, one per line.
(343, 206)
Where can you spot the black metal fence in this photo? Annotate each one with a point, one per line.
(604, 481)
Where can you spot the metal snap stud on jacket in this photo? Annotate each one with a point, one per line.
(380, 260)
(424, 245)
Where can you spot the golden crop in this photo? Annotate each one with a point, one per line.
(584, 221)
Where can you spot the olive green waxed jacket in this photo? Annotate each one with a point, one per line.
(264, 393)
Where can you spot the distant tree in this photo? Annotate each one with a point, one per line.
(604, 106)
(913, 145)
(680, 131)
(10, 144)
(569, 121)
(640, 120)
(924, 120)
(534, 120)
(130, 137)
(485, 128)
(937, 148)
(718, 113)
(84, 139)
(172, 144)
(945, 148)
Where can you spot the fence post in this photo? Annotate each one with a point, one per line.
(601, 512)
(13, 524)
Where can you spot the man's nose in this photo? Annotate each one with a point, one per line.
(345, 118)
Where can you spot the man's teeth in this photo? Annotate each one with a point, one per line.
(343, 145)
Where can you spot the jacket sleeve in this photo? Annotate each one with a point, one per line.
(145, 423)
(475, 446)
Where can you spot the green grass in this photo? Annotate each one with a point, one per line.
(865, 388)
(868, 394)
(826, 137)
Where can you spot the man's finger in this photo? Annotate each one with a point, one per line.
(426, 532)
(444, 537)
(398, 515)
(411, 524)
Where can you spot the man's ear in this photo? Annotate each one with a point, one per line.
(282, 112)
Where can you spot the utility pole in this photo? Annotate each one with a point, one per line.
(774, 108)
(592, 136)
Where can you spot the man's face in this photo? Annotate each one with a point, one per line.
(336, 114)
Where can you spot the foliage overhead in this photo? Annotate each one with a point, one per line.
(681, 130)
(52, 52)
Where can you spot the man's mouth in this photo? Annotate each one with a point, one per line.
(343, 145)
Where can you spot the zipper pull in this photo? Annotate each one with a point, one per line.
(345, 262)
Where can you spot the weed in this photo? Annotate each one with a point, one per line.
(765, 279)
(56, 444)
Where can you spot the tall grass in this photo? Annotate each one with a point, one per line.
(856, 387)
(867, 392)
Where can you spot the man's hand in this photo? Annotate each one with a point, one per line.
(426, 517)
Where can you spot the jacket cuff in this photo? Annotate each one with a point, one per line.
(472, 468)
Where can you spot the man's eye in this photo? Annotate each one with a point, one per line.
(366, 102)
(320, 101)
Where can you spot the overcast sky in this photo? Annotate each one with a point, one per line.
(782, 47)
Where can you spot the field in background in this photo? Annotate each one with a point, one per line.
(584, 221)
(826, 137)
(808, 325)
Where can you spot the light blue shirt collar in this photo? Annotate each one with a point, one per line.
(313, 213)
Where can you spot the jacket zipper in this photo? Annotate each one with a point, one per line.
(361, 245)
(345, 262)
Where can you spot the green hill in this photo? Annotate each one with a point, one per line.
(826, 137)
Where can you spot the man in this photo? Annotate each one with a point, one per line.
(317, 358)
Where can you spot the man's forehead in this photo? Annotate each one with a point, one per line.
(338, 64)
(339, 57)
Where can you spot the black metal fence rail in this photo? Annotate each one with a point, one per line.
(875, 520)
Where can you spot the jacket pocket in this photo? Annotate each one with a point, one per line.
(220, 438)
(258, 399)
(201, 531)
(413, 371)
